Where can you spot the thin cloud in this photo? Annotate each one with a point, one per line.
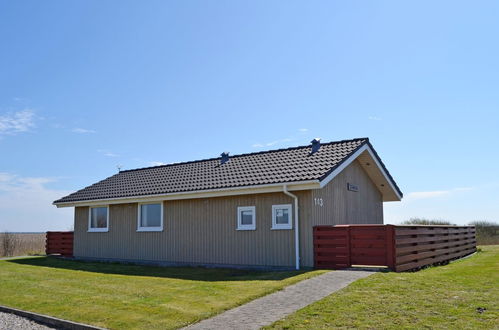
(156, 163)
(82, 131)
(26, 204)
(434, 194)
(6, 177)
(10, 182)
(21, 100)
(107, 153)
(271, 143)
(303, 130)
(374, 118)
(17, 122)
(427, 194)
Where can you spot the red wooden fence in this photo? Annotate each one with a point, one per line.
(59, 242)
(418, 246)
(397, 247)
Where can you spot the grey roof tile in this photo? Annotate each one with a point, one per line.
(267, 167)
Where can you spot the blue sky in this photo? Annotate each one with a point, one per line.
(87, 85)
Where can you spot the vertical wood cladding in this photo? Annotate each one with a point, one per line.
(195, 231)
(205, 230)
(341, 206)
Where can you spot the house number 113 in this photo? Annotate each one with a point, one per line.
(318, 202)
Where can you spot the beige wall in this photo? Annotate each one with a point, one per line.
(340, 206)
(195, 231)
(203, 231)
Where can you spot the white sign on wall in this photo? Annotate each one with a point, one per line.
(352, 187)
(318, 202)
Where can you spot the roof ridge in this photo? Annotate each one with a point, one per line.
(241, 155)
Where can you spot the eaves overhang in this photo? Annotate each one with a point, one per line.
(375, 169)
(244, 190)
(363, 153)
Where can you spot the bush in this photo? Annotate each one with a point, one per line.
(21, 244)
(427, 222)
(8, 243)
(487, 232)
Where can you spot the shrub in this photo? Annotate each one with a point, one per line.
(427, 222)
(487, 232)
(19, 244)
(8, 242)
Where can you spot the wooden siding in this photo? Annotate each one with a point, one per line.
(340, 206)
(203, 231)
(197, 231)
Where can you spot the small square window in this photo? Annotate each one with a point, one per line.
(150, 217)
(246, 218)
(98, 219)
(282, 216)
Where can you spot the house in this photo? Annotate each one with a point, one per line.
(249, 210)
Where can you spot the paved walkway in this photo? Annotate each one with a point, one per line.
(268, 309)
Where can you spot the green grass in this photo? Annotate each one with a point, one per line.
(443, 297)
(129, 296)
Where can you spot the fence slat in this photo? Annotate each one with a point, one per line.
(423, 247)
(59, 242)
(436, 238)
(418, 264)
(399, 247)
(427, 254)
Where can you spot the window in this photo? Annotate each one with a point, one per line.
(98, 219)
(282, 216)
(150, 217)
(246, 218)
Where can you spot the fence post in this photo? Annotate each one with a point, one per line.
(47, 239)
(314, 240)
(390, 246)
(349, 247)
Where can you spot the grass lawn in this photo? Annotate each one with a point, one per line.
(129, 296)
(438, 297)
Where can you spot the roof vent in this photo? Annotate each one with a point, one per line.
(316, 144)
(225, 157)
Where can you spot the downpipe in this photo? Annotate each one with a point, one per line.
(297, 228)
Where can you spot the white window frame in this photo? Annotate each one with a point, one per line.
(139, 227)
(97, 230)
(279, 226)
(240, 226)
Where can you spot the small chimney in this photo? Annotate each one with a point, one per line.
(316, 144)
(225, 157)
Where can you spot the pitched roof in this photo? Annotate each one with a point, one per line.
(295, 164)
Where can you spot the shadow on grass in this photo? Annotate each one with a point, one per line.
(183, 273)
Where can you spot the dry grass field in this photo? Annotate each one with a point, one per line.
(13, 244)
(487, 233)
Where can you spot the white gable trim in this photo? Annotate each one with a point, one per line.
(353, 157)
(343, 165)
